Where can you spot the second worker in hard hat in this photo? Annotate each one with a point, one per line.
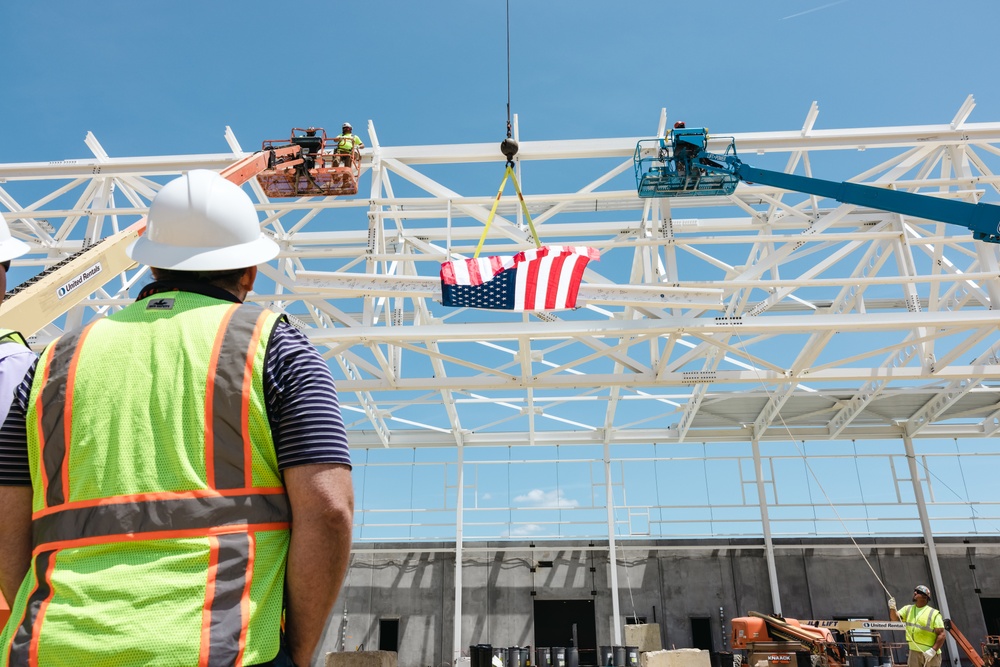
(924, 628)
(16, 358)
(173, 443)
(347, 143)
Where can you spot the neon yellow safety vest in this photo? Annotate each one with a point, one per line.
(11, 336)
(920, 626)
(346, 142)
(160, 521)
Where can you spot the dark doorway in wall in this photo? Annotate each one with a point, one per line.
(388, 634)
(991, 614)
(701, 633)
(558, 621)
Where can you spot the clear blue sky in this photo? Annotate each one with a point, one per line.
(152, 78)
(158, 78)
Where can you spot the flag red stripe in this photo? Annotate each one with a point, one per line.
(574, 283)
(531, 286)
(474, 277)
(448, 273)
(552, 289)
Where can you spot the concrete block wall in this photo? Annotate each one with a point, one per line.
(671, 582)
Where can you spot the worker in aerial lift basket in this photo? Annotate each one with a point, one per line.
(170, 446)
(924, 628)
(347, 141)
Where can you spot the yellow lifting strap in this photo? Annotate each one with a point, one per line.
(524, 207)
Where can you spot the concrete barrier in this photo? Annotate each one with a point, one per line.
(644, 635)
(361, 659)
(683, 657)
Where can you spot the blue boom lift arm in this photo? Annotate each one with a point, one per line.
(684, 167)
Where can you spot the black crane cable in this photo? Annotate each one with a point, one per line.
(508, 146)
(508, 71)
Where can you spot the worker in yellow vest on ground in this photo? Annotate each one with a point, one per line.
(924, 628)
(169, 446)
(347, 142)
(15, 359)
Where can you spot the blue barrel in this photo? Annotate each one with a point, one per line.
(543, 657)
(605, 656)
(558, 656)
(631, 656)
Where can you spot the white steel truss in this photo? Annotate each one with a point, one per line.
(764, 315)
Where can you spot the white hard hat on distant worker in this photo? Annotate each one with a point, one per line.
(923, 590)
(202, 222)
(347, 126)
(10, 247)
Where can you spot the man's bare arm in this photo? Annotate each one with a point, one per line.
(15, 538)
(939, 640)
(322, 500)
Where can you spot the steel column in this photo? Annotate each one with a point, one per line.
(772, 573)
(457, 637)
(940, 599)
(612, 548)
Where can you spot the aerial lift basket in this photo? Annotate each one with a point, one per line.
(316, 171)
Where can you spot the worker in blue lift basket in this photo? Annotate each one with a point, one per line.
(924, 628)
(347, 141)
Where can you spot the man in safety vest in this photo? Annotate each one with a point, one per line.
(347, 142)
(924, 628)
(170, 446)
(15, 360)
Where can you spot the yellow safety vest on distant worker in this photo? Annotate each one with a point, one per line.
(11, 336)
(347, 142)
(160, 521)
(920, 625)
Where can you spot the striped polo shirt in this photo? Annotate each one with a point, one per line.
(302, 406)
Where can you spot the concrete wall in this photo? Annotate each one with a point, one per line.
(671, 582)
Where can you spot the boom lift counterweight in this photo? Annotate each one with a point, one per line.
(682, 166)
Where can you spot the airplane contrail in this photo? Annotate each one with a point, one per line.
(815, 9)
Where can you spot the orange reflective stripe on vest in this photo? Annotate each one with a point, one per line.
(54, 419)
(24, 644)
(227, 396)
(167, 515)
(223, 630)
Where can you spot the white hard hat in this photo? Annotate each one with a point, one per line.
(202, 222)
(348, 126)
(10, 247)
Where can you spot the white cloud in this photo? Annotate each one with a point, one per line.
(540, 498)
(525, 529)
(486, 496)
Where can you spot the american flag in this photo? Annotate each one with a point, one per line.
(547, 278)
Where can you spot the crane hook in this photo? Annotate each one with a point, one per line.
(509, 148)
